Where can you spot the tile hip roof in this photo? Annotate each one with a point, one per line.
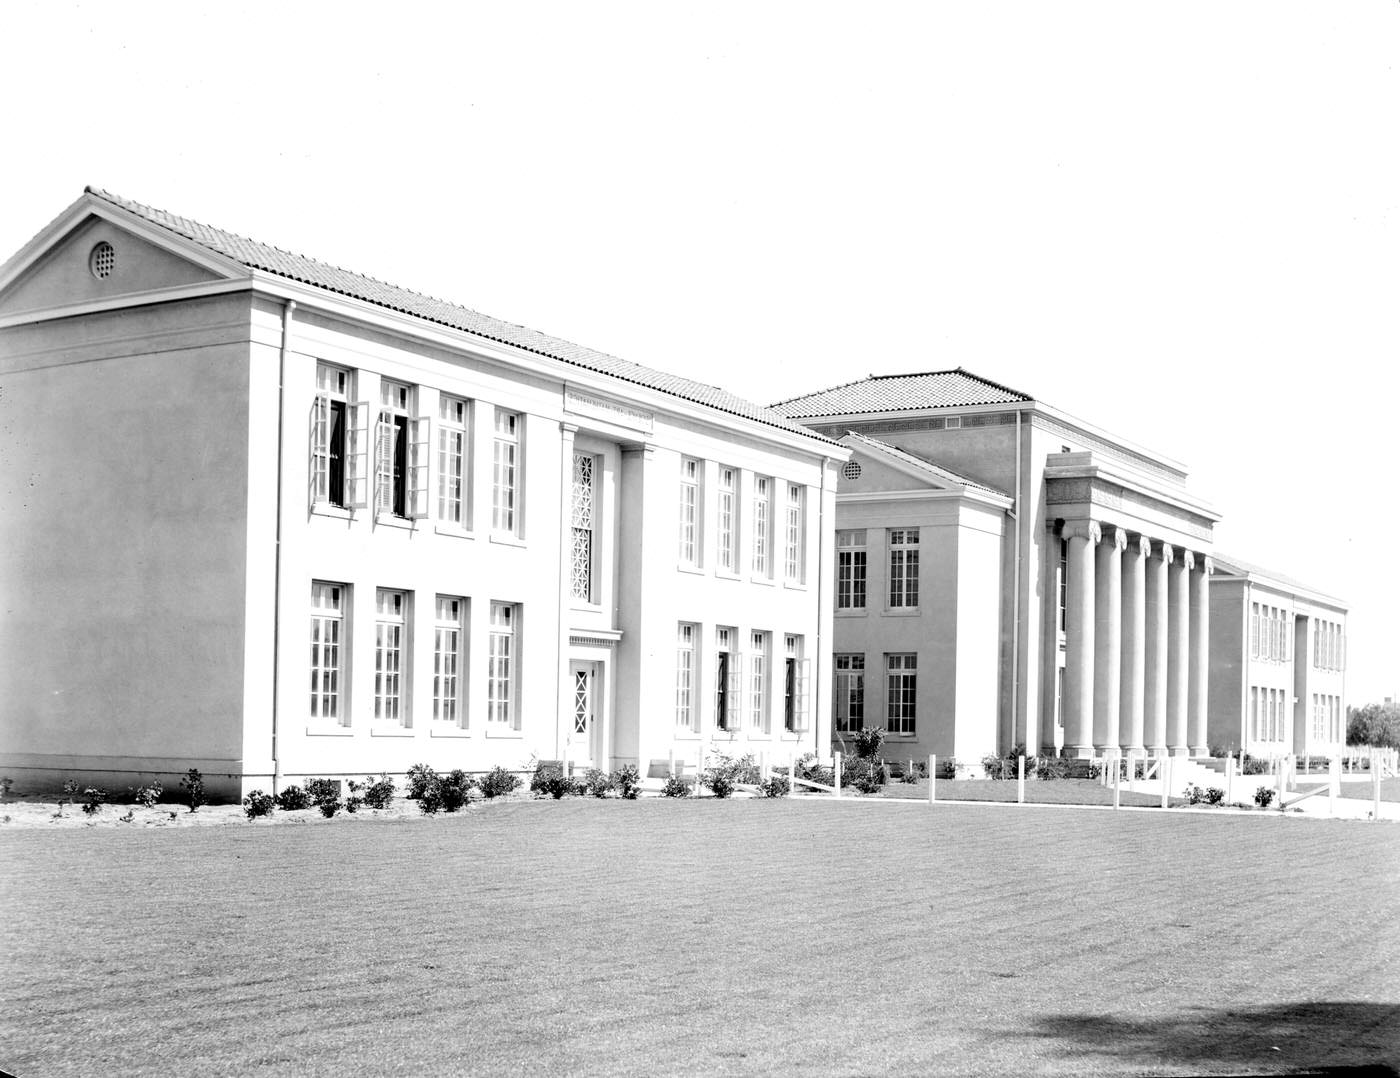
(956, 388)
(947, 475)
(1228, 563)
(261, 256)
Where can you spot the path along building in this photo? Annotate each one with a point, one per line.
(269, 518)
(1010, 575)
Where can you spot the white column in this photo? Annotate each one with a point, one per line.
(1108, 580)
(1134, 650)
(1197, 717)
(1078, 701)
(1178, 650)
(1154, 731)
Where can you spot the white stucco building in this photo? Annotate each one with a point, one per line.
(270, 518)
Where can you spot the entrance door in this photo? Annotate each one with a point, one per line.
(585, 733)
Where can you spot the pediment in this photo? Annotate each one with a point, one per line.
(65, 271)
(881, 473)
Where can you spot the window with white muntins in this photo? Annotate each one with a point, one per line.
(505, 473)
(449, 660)
(339, 467)
(454, 462)
(329, 603)
(390, 642)
(501, 695)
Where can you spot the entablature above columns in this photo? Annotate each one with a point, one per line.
(1081, 486)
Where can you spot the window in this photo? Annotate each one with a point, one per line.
(904, 567)
(449, 660)
(328, 605)
(794, 566)
(850, 693)
(761, 505)
(505, 473)
(400, 458)
(1254, 631)
(685, 676)
(900, 692)
(338, 431)
(758, 683)
(727, 691)
(690, 512)
(501, 668)
(850, 570)
(794, 685)
(728, 518)
(581, 503)
(1253, 713)
(454, 462)
(1062, 588)
(390, 697)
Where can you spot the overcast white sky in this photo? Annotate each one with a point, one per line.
(1178, 221)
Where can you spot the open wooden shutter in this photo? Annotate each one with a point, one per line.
(357, 475)
(320, 449)
(803, 690)
(384, 464)
(419, 453)
(734, 692)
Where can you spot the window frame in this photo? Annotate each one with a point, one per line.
(727, 513)
(459, 427)
(687, 674)
(330, 680)
(690, 514)
(852, 568)
(583, 528)
(901, 693)
(393, 644)
(503, 667)
(339, 443)
(761, 562)
(451, 665)
(848, 694)
(507, 472)
(902, 557)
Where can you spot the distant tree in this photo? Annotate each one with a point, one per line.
(1374, 724)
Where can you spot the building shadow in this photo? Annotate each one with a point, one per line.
(1356, 1039)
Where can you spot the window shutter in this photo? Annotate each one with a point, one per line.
(384, 464)
(1254, 636)
(419, 453)
(734, 691)
(799, 711)
(357, 457)
(320, 448)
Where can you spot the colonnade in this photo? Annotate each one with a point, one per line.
(1137, 644)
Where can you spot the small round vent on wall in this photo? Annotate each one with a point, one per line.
(851, 470)
(102, 260)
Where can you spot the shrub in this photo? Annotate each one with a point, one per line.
(722, 776)
(292, 799)
(417, 779)
(807, 767)
(193, 785)
(148, 796)
(864, 774)
(319, 790)
(354, 799)
(257, 804)
(1253, 765)
(596, 783)
(378, 794)
(776, 786)
(1264, 796)
(446, 793)
(1214, 795)
(93, 797)
(549, 780)
(498, 782)
(1195, 795)
(868, 741)
(6, 785)
(947, 768)
(1051, 767)
(995, 767)
(329, 807)
(628, 781)
(676, 787)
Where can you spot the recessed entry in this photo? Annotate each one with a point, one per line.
(103, 260)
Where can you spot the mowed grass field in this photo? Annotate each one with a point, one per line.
(712, 937)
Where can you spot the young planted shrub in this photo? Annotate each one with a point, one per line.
(596, 783)
(93, 797)
(148, 796)
(1253, 765)
(995, 767)
(1051, 767)
(627, 780)
(417, 779)
(912, 773)
(676, 787)
(808, 767)
(776, 786)
(257, 804)
(1194, 795)
(293, 799)
(325, 795)
(868, 741)
(354, 799)
(726, 772)
(1214, 795)
(379, 793)
(947, 768)
(193, 785)
(1264, 796)
(498, 782)
(549, 780)
(446, 793)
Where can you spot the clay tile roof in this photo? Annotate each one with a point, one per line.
(261, 256)
(900, 392)
(937, 471)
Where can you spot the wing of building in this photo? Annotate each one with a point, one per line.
(270, 518)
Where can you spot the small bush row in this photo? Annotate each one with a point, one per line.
(551, 780)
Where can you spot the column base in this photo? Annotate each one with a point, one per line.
(1201, 752)
(1080, 752)
(1180, 750)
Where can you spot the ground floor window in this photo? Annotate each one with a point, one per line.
(390, 623)
(849, 701)
(901, 685)
(449, 660)
(328, 605)
(501, 695)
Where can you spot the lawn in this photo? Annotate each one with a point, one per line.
(668, 937)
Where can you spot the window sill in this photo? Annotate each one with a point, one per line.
(503, 539)
(456, 533)
(767, 582)
(390, 730)
(693, 570)
(389, 520)
(794, 585)
(447, 730)
(853, 612)
(692, 736)
(726, 574)
(328, 730)
(901, 612)
(512, 735)
(335, 512)
(586, 608)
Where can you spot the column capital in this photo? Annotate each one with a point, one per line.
(1205, 563)
(1188, 559)
(1164, 551)
(1115, 537)
(1141, 546)
(1081, 529)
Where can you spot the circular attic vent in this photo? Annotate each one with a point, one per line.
(851, 470)
(102, 260)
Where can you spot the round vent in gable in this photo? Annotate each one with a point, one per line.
(851, 470)
(102, 260)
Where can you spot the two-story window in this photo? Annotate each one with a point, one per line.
(690, 538)
(338, 441)
(454, 462)
(449, 660)
(329, 605)
(795, 534)
(685, 676)
(901, 689)
(762, 540)
(502, 709)
(390, 643)
(582, 500)
(904, 567)
(400, 454)
(505, 472)
(794, 685)
(850, 569)
(758, 683)
(849, 700)
(728, 511)
(727, 691)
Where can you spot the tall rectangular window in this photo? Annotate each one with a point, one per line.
(399, 458)
(1254, 631)
(328, 605)
(762, 506)
(758, 683)
(685, 676)
(581, 503)
(850, 569)
(690, 512)
(454, 464)
(1253, 713)
(794, 567)
(901, 692)
(501, 708)
(794, 685)
(849, 701)
(1062, 588)
(390, 621)
(904, 567)
(505, 472)
(449, 659)
(727, 691)
(337, 441)
(728, 519)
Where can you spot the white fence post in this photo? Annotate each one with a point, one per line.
(1334, 784)
(1229, 779)
(836, 771)
(932, 778)
(1021, 779)
(1167, 772)
(1117, 779)
(673, 761)
(1375, 784)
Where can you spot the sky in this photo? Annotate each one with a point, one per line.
(1179, 222)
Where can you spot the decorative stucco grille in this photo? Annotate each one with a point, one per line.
(581, 702)
(103, 260)
(582, 523)
(851, 470)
